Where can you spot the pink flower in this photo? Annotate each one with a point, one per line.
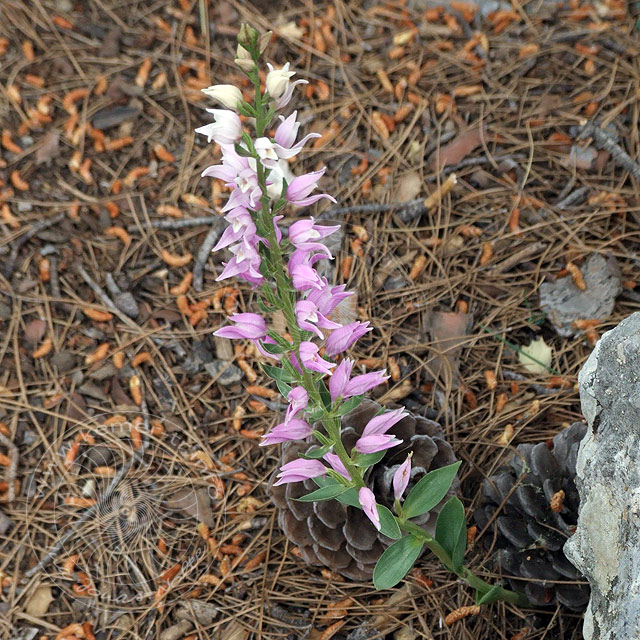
(340, 378)
(225, 129)
(311, 360)
(263, 351)
(382, 423)
(245, 262)
(368, 502)
(299, 470)
(304, 277)
(367, 381)
(305, 232)
(285, 137)
(327, 298)
(336, 464)
(279, 86)
(295, 429)
(300, 187)
(375, 443)
(341, 386)
(307, 314)
(241, 224)
(342, 338)
(238, 173)
(298, 400)
(401, 477)
(266, 151)
(247, 325)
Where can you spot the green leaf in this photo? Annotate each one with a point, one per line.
(350, 497)
(280, 340)
(324, 493)
(493, 595)
(277, 373)
(349, 405)
(324, 394)
(283, 388)
(315, 414)
(264, 307)
(314, 454)
(451, 531)
(396, 561)
(241, 151)
(388, 525)
(325, 481)
(321, 437)
(276, 349)
(246, 110)
(430, 490)
(365, 460)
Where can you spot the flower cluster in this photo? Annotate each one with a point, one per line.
(308, 363)
(256, 171)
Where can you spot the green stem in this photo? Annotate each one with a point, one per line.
(463, 572)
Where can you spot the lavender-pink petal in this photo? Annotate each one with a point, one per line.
(368, 502)
(401, 477)
(382, 423)
(336, 464)
(340, 378)
(367, 381)
(298, 470)
(341, 339)
(375, 443)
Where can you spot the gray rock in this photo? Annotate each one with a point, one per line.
(225, 373)
(563, 302)
(606, 545)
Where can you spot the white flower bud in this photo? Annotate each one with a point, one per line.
(265, 39)
(278, 81)
(244, 59)
(226, 94)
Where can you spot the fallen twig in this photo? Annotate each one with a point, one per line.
(407, 211)
(204, 251)
(517, 257)
(603, 140)
(173, 225)
(106, 300)
(12, 471)
(575, 197)
(17, 245)
(538, 388)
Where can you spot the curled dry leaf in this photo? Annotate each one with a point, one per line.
(536, 356)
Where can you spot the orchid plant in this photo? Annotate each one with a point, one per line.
(309, 367)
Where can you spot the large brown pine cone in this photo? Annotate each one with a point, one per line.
(341, 537)
(528, 533)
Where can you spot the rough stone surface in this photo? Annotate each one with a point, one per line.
(563, 302)
(606, 545)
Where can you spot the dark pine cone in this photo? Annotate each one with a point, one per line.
(339, 536)
(529, 534)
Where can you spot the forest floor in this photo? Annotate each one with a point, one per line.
(100, 178)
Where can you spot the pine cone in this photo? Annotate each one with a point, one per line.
(537, 518)
(341, 537)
